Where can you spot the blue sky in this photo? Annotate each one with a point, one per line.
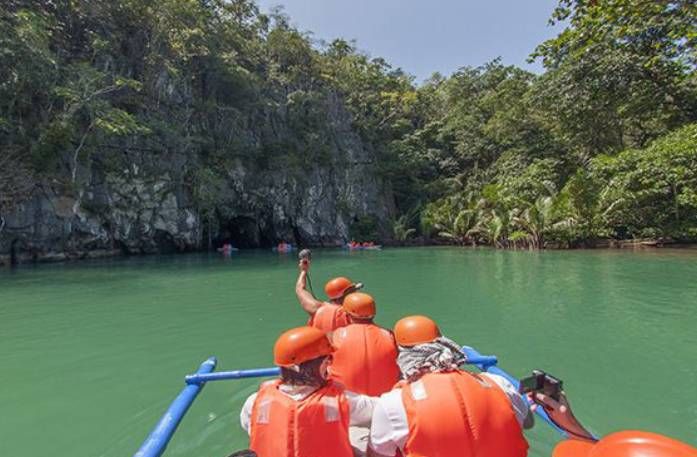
(426, 36)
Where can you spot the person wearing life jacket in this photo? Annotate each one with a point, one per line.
(628, 443)
(326, 316)
(439, 410)
(365, 360)
(303, 413)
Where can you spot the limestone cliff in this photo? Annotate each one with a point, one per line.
(148, 199)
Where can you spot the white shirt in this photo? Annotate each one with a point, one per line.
(360, 406)
(390, 429)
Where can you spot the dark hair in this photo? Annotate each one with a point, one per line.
(244, 453)
(307, 375)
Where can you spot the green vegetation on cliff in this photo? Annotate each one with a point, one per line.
(603, 144)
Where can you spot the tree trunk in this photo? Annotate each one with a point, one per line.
(210, 237)
(675, 202)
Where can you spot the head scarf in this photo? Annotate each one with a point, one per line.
(441, 354)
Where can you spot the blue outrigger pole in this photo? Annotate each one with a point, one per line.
(156, 443)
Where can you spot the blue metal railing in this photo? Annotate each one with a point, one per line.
(202, 378)
(156, 442)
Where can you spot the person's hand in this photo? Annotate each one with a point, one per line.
(560, 413)
(304, 265)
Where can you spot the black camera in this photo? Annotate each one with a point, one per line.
(543, 383)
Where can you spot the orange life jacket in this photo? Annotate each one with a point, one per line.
(460, 414)
(329, 317)
(313, 427)
(365, 360)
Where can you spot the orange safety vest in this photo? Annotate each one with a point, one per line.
(329, 317)
(313, 427)
(460, 414)
(365, 360)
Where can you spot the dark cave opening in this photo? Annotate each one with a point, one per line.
(245, 233)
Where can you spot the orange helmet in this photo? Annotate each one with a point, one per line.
(629, 443)
(299, 345)
(337, 287)
(358, 304)
(413, 330)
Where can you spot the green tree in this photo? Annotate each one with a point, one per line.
(620, 74)
(655, 188)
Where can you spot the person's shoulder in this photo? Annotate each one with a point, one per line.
(339, 335)
(325, 305)
(387, 333)
(249, 404)
(268, 384)
(502, 382)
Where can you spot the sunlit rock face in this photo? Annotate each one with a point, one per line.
(274, 184)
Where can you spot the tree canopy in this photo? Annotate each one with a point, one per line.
(602, 144)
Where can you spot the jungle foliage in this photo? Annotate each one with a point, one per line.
(602, 145)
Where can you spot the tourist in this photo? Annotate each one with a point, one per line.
(326, 316)
(442, 410)
(365, 360)
(303, 414)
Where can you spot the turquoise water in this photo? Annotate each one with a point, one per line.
(91, 354)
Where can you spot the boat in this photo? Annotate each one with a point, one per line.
(156, 443)
(227, 249)
(283, 247)
(358, 247)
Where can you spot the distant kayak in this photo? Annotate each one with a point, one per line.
(284, 247)
(228, 249)
(374, 247)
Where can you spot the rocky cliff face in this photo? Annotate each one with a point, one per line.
(145, 202)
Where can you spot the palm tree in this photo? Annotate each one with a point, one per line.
(458, 227)
(401, 230)
(518, 239)
(455, 218)
(537, 218)
(491, 228)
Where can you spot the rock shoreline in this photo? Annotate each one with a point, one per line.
(72, 256)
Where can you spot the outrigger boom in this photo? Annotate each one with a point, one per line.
(156, 443)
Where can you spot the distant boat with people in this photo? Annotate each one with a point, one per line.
(364, 246)
(227, 249)
(283, 247)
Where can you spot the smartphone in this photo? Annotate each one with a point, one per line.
(541, 382)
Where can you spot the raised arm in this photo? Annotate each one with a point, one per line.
(307, 301)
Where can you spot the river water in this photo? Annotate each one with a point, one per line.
(92, 353)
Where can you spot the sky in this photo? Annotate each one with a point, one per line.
(423, 37)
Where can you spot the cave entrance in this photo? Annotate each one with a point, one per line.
(165, 242)
(244, 232)
(13, 252)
